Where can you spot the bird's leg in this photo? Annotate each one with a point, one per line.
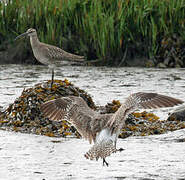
(52, 78)
(107, 164)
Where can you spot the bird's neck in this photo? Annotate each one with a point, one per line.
(34, 41)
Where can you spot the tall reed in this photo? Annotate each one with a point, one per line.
(98, 29)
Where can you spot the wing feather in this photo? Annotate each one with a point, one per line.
(140, 100)
(75, 110)
(153, 100)
(56, 109)
(53, 52)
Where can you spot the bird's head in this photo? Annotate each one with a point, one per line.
(29, 32)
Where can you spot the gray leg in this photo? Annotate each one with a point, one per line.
(52, 78)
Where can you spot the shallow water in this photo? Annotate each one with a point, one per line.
(24, 156)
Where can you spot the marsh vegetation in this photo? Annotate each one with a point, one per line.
(110, 31)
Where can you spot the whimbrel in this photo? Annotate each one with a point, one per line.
(102, 129)
(48, 54)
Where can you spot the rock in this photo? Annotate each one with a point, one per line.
(177, 66)
(172, 64)
(136, 62)
(161, 65)
(167, 61)
(179, 63)
(177, 115)
(150, 63)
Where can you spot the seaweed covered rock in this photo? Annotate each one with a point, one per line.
(177, 115)
(109, 107)
(146, 123)
(24, 114)
(143, 123)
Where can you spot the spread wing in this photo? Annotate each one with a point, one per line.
(75, 110)
(141, 100)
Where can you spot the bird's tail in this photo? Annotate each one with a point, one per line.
(78, 58)
(101, 150)
(104, 146)
(73, 57)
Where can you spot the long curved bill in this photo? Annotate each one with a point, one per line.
(21, 35)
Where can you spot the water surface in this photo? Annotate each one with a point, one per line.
(24, 156)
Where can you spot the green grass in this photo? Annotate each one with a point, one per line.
(97, 29)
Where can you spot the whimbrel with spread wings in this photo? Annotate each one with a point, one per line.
(48, 54)
(102, 129)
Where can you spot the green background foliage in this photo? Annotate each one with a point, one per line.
(102, 29)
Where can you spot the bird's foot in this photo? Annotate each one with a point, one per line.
(105, 162)
(120, 149)
(86, 156)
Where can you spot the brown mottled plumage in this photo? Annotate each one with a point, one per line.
(48, 54)
(102, 129)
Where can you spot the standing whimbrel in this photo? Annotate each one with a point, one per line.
(102, 129)
(48, 54)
